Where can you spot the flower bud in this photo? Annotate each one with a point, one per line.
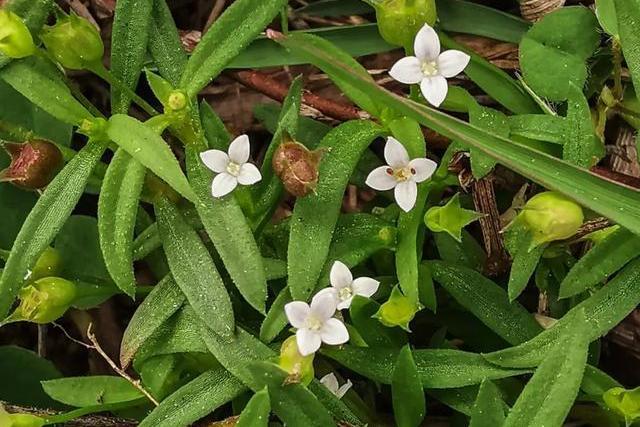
(177, 101)
(399, 310)
(74, 42)
(33, 164)
(296, 166)
(43, 301)
(299, 367)
(15, 37)
(625, 403)
(400, 20)
(48, 265)
(450, 218)
(19, 420)
(551, 216)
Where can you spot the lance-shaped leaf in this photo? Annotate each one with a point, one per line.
(164, 43)
(406, 390)
(90, 391)
(628, 14)
(489, 408)
(256, 413)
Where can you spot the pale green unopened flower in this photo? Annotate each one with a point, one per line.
(551, 216)
(400, 20)
(399, 310)
(450, 218)
(48, 265)
(44, 301)
(299, 367)
(74, 42)
(15, 38)
(625, 403)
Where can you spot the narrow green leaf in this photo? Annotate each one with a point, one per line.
(606, 14)
(581, 145)
(194, 270)
(493, 121)
(467, 253)
(256, 413)
(230, 34)
(148, 148)
(409, 406)
(372, 331)
(628, 14)
(550, 393)
(164, 43)
(45, 220)
(117, 210)
(311, 233)
(525, 261)
(489, 408)
(90, 391)
(78, 246)
(541, 127)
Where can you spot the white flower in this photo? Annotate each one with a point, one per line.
(344, 288)
(232, 168)
(331, 382)
(401, 174)
(315, 323)
(429, 67)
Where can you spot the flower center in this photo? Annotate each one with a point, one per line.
(430, 68)
(233, 169)
(345, 293)
(401, 174)
(314, 323)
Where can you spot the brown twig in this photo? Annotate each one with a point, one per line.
(84, 421)
(617, 177)
(216, 10)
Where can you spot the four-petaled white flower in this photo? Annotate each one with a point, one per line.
(315, 323)
(331, 382)
(401, 174)
(232, 168)
(344, 287)
(429, 67)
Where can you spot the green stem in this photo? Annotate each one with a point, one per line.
(616, 48)
(284, 20)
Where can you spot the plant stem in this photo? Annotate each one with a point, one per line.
(284, 20)
(616, 48)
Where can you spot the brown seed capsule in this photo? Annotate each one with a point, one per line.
(296, 166)
(33, 164)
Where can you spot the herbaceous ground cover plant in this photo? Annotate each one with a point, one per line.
(319, 213)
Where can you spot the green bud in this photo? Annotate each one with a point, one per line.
(399, 310)
(43, 301)
(400, 20)
(551, 216)
(19, 420)
(299, 367)
(15, 37)
(450, 218)
(48, 265)
(33, 164)
(625, 403)
(74, 42)
(177, 101)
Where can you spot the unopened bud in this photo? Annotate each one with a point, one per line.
(49, 264)
(177, 101)
(297, 167)
(400, 20)
(15, 37)
(43, 301)
(299, 367)
(74, 42)
(625, 403)
(450, 218)
(33, 164)
(399, 310)
(551, 216)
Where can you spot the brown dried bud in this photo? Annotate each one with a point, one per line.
(296, 166)
(33, 164)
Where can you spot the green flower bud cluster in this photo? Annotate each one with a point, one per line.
(15, 39)
(44, 300)
(400, 20)
(625, 403)
(299, 367)
(74, 42)
(551, 216)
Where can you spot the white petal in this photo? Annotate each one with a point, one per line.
(249, 174)
(365, 286)
(424, 168)
(343, 389)
(452, 62)
(308, 341)
(345, 304)
(323, 305)
(395, 154)
(427, 44)
(215, 160)
(297, 313)
(407, 70)
(340, 275)
(406, 194)
(223, 184)
(239, 149)
(331, 382)
(331, 291)
(380, 179)
(434, 89)
(334, 332)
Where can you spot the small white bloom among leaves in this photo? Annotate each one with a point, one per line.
(331, 382)
(232, 168)
(315, 323)
(401, 174)
(429, 67)
(344, 287)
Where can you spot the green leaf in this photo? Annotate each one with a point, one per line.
(34, 13)
(490, 120)
(606, 14)
(148, 148)
(541, 127)
(45, 220)
(229, 35)
(311, 233)
(79, 250)
(550, 393)
(129, 36)
(436, 368)
(553, 53)
(489, 408)
(604, 309)
(603, 260)
(614, 201)
(487, 301)
(628, 14)
(193, 269)
(256, 413)
(117, 210)
(581, 145)
(409, 406)
(195, 400)
(89, 391)
(372, 331)
(15, 205)
(164, 43)
(525, 258)
(466, 253)
(332, 8)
